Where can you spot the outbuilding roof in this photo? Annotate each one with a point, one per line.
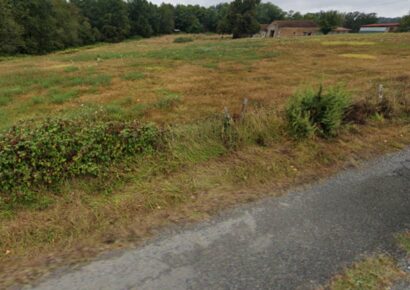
(264, 27)
(395, 24)
(294, 23)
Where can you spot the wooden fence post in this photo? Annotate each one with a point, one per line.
(381, 92)
(244, 108)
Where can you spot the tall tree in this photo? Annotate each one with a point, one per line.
(114, 23)
(67, 24)
(405, 23)
(329, 20)
(355, 20)
(108, 18)
(186, 19)
(139, 15)
(10, 31)
(294, 15)
(39, 25)
(268, 12)
(241, 18)
(222, 25)
(167, 22)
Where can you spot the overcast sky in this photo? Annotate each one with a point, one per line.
(387, 8)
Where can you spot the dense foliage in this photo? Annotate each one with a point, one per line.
(41, 26)
(241, 18)
(317, 112)
(42, 155)
(268, 12)
(405, 23)
(354, 20)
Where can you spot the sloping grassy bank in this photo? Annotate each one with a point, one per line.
(376, 272)
(185, 172)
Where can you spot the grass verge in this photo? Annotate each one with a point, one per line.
(379, 272)
(373, 273)
(404, 241)
(192, 181)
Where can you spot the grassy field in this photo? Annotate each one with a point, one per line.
(179, 86)
(169, 82)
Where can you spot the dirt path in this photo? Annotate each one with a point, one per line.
(297, 241)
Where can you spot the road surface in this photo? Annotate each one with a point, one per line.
(297, 241)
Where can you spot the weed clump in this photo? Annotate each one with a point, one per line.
(56, 149)
(183, 39)
(317, 112)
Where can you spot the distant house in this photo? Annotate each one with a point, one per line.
(379, 28)
(340, 30)
(262, 31)
(289, 28)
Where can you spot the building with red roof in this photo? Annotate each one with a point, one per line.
(380, 28)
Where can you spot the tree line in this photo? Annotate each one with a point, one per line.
(41, 26)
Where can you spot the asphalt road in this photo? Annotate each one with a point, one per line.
(297, 241)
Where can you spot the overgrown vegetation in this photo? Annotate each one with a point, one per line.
(48, 152)
(319, 112)
(44, 154)
(183, 39)
(36, 157)
(41, 26)
(205, 162)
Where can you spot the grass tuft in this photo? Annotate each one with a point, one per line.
(404, 241)
(373, 273)
(57, 97)
(348, 43)
(358, 55)
(133, 76)
(183, 39)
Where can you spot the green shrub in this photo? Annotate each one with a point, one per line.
(168, 101)
(317, 112)
(44, 154)
(183, 39)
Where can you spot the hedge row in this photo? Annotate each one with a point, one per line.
(45, 154)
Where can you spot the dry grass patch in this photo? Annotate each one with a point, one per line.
(348, 43)
(210, 73)
(358, 55)
(184, 83)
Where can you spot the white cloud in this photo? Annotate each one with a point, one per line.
(387, 8)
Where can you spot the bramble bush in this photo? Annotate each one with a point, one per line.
(317, 112)
(44, 154)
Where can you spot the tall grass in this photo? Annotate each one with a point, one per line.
(43, 155)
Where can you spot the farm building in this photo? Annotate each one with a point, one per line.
(289, 28)
(340, 30)
(380, 28)
(263, 30)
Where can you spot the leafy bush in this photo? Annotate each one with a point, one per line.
(316, 112)
(42, 155)
(183, 39)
